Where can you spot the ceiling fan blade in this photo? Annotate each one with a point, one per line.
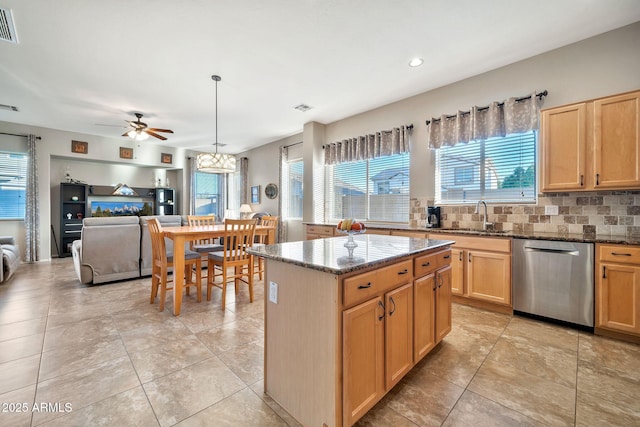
(126, 133)
(160, 130)
(152, 133)
(137, 125)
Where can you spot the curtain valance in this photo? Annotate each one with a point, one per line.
(515, 115)
(383, 143)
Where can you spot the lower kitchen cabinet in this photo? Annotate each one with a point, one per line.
(481, 269)
(618, 288)
(319, 231)
(432, 311)
(363, 358)
(489, 276)
(398, 334)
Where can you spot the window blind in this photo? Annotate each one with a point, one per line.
(13, 185)
(374, 190)
(292, 191)
(500, 170)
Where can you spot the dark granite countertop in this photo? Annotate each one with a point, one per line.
(565, 237)
(331, 256)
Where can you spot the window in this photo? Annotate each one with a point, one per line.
(210, 194)
(292, 193)
(13, 185)
(498, 170)
(369, 190)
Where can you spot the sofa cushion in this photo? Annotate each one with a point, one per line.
(9, 257)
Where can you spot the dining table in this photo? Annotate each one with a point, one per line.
(183, 234)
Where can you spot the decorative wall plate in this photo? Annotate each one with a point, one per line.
(271, 191)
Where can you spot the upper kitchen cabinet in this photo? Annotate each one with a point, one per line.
(616, 126)
(592, 145)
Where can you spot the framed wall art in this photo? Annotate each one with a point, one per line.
(79, 147)
(255, 194)
(166, 158)
(126, 153)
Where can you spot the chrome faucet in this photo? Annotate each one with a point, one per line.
(484, 219)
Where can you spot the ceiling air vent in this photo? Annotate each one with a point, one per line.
(8, 107)
(302, 107)
(7, 29)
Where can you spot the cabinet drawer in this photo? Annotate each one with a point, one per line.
(320, 230)
(622, 254)
(495, 244)
(427, 263)
(367, 285)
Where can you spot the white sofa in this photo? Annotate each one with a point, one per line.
(10, 257)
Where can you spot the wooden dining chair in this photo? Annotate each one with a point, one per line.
(203, 246)
(261, 239)
(162, 261)
(238, 236)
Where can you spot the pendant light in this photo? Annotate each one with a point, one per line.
(216, 162)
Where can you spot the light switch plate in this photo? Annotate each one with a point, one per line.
(273, 292)
(551, 210)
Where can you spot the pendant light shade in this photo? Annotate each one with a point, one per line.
(216, 162)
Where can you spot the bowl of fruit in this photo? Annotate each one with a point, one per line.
(350, 226)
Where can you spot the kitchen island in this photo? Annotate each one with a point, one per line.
(342, 329)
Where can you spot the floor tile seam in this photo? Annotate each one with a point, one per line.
(35, 390)
(173, 371)
(61, 415)
(267, 403)
(141, 384)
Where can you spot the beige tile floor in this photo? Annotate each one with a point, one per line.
(115, 360)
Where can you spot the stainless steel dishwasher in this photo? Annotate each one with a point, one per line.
(554, 280)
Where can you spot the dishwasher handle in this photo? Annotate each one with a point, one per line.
(554, 251)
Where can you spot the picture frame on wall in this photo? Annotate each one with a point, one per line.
(255, 194)
(166, 158)
(80, 147)
(126, 153)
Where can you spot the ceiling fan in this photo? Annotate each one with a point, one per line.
(141, 131)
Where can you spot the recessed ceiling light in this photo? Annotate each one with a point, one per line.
(415, 62)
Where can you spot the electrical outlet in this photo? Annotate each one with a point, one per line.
(551, 210)
(273, 292)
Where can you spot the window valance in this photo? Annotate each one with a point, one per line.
(515, 115)
(383, 143)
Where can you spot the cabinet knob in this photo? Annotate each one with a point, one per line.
(581, 180)
(597, 179)
(426, 264)
(405, 271)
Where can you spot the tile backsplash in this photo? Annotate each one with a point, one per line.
(615, 213)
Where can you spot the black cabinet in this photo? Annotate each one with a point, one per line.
(165, 203)
(73, 208)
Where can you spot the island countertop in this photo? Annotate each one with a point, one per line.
(331, 256)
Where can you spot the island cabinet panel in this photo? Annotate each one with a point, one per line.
(363, 358)
(443, 303)
(424, 334)
(457, 271)
(398, 333)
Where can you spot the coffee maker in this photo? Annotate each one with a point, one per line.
(433, 216)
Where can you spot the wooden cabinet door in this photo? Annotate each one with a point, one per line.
(457, 271)
(398, 333)
(363, 358)
(618, 298)
(489, 276)
(616, 135)
(424, 312)
(564, 148)
(443, 303)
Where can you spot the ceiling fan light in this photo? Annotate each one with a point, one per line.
(137, 135)
(215, 163)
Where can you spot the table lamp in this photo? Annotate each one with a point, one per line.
(245, 210)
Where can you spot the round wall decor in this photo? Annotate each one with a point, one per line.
(271, 191)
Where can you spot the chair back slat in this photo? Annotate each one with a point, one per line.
(267, 221)
(158, 247)
(238, 235)
(201, 221)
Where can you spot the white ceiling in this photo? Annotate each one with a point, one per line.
(80, 65)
